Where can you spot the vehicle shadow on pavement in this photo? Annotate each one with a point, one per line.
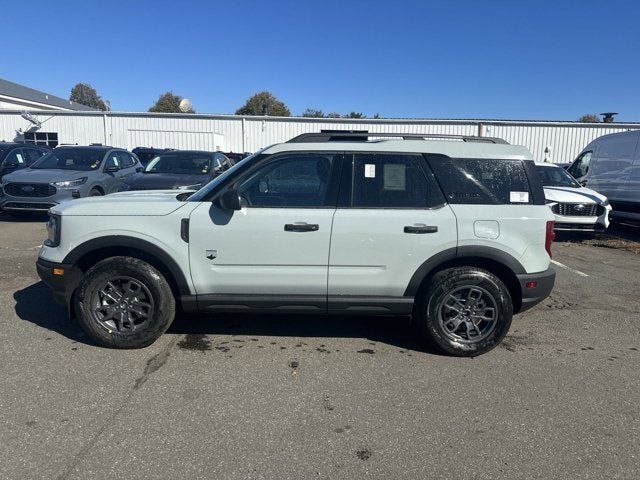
(395, 331)
(35, 304)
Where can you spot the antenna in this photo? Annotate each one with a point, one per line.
(185, 105)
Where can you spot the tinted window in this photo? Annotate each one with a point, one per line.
(556, 177)
(15, 158)
(71, 159)
(126, 160)
(182, 163)
(299, 180)
(32, 154)
(581, 166)
(481, 181)
(391, 180)
(113, 160)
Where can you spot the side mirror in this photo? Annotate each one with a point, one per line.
(230, 200)
(112, 169)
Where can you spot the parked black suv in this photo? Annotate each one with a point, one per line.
(179, 169)
(14, 156)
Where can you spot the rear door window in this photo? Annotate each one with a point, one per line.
(392, 181)
(481, 181)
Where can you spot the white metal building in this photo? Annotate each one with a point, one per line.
(550, 141)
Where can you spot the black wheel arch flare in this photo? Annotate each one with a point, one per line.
(117, 243)
(482, 256)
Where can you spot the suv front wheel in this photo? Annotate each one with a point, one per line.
(124, 302)
(465, 311)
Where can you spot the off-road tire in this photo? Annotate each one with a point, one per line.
(157, 288)
(439, 289)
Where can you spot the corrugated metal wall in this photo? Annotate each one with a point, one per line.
(555, 141)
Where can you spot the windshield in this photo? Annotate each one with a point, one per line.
(556, 177)
(182, 163)
(204, 191)
(84, 159)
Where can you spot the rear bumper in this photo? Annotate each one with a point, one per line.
(531, 296)
(63, 283)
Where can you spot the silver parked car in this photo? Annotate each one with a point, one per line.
(66, 173)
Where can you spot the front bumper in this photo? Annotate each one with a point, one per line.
(12, 203)
(532, 295)
(63, 282)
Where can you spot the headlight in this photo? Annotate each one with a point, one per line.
(53, 231)
(197, 186)
(71, 183)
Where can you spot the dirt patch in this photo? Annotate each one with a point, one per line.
(607, 241)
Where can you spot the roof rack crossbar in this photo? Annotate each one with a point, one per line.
(363, 136)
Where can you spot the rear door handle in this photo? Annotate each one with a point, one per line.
(301, 227)
(420, 229)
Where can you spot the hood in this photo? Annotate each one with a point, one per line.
(573, 195)
(36, 175)
(161, 181)
(147, 203)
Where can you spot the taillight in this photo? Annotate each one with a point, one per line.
(550, 236)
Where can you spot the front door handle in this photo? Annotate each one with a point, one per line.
(301, 227)
(420, 229)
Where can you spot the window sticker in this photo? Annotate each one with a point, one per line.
(20, 159)
(394, 176)
(369, 170)
(519, 197)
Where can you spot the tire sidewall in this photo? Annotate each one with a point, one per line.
(164, 302)
(448, 281)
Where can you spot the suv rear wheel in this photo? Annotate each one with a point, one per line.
(465, 311)
(124, 302)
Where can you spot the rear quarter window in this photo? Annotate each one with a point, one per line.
(482, 181)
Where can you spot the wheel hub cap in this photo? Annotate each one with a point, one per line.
(468, 314)
(122, 304)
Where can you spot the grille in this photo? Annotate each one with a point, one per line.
(29, 189)
(27, 206)
(577, 209)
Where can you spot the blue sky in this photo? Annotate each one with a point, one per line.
(433, 59)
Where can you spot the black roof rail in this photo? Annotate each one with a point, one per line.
(364, 135)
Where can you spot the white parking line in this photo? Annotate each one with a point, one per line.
(577, 272)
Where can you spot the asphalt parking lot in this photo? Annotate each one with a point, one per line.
(308, 397)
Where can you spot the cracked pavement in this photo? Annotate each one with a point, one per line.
(262, 397)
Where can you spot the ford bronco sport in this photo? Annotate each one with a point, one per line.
(452, 231)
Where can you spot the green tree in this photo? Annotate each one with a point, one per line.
(333, 115)
(589, 118)
(355, 115)
(264, 103)
(312, 112)
(168, 102)
(85, 94)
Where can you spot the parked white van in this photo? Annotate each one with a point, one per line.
(610, 165)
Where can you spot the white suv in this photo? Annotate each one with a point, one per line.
(453, 231)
